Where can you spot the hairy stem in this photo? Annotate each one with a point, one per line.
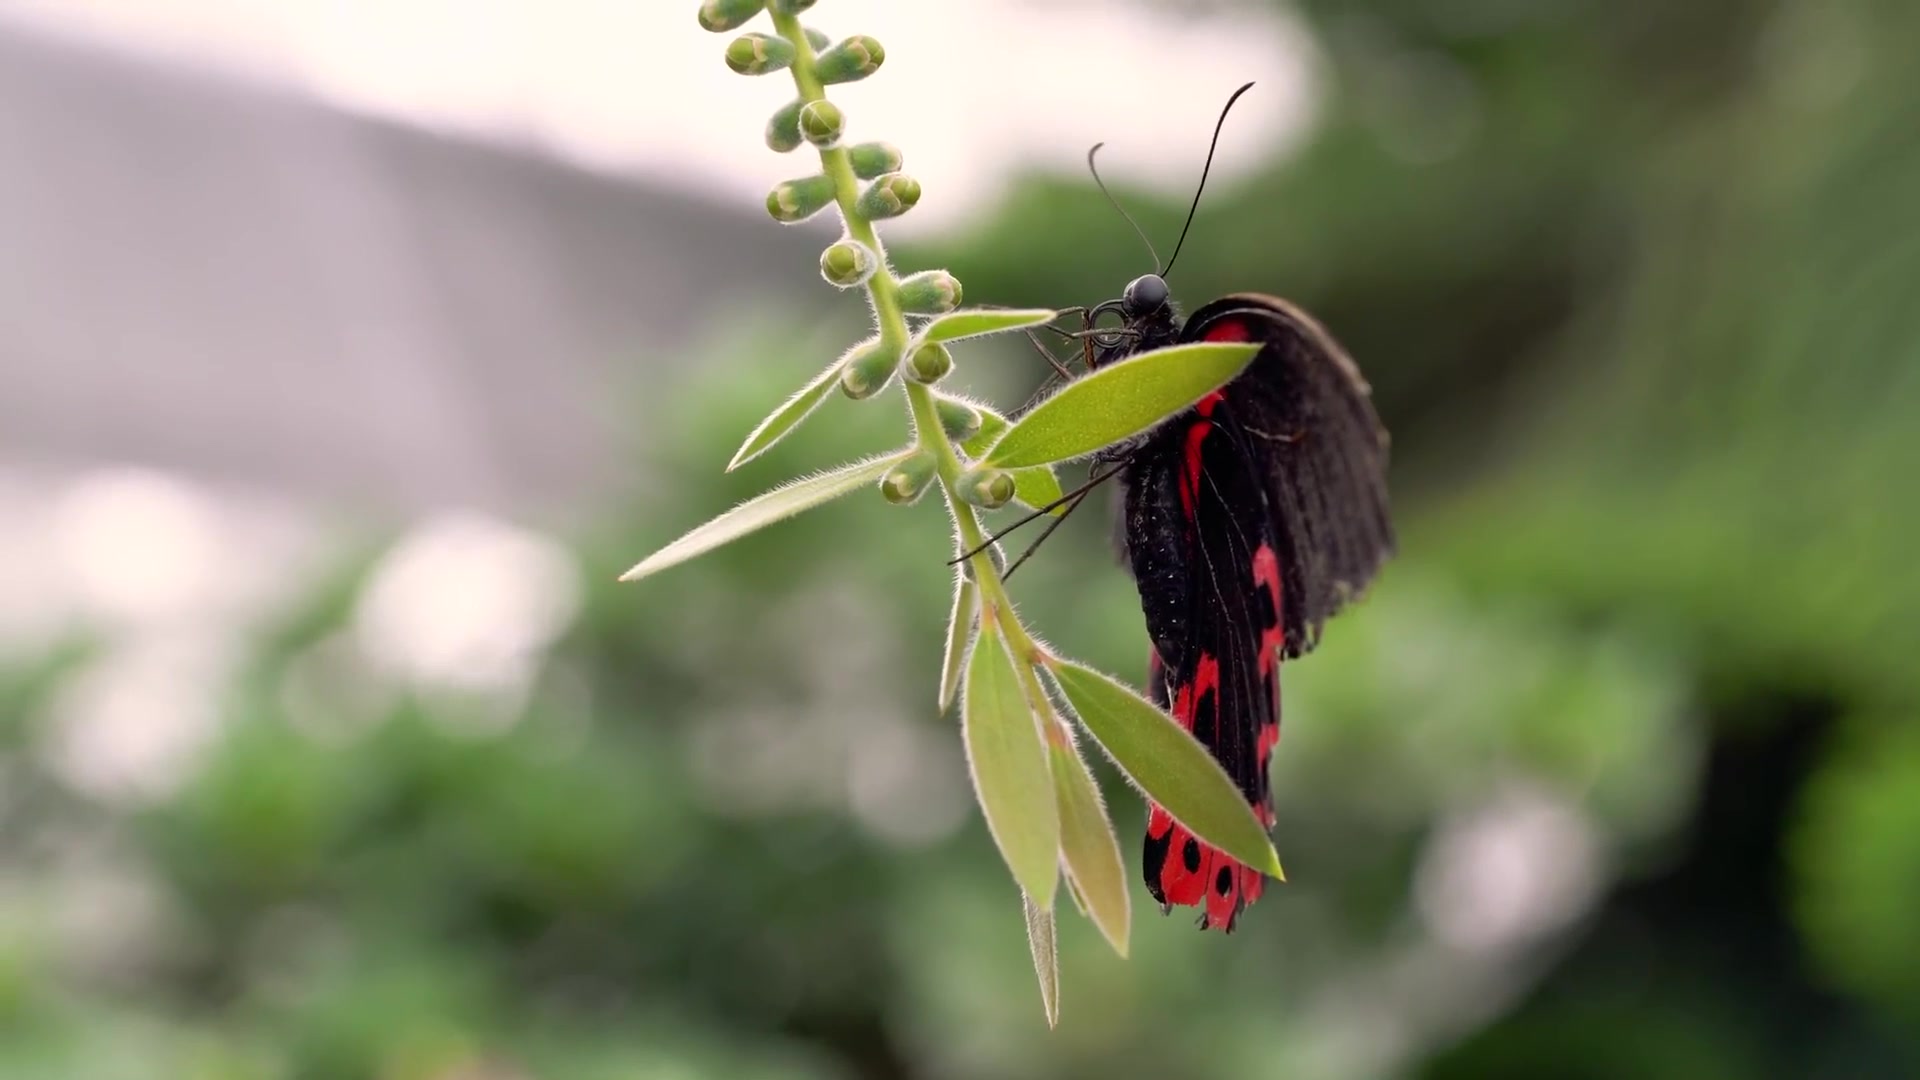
(883, 290)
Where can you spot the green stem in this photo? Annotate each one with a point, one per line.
(883, 288)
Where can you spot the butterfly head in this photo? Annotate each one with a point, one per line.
(1146, 320)
(1145, 295)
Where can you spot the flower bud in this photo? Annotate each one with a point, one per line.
(818, 39)
(869, 366)
(758, 54)
(798, 200)
(850, 61)
(783, 128)
(960, 420)
(721, 16)
(929, 292)
(988, 489)
(790, 7)
(890, 196)
(871, 159)
(929, 363)
(905, 482)
(822, 122)
(848, 263)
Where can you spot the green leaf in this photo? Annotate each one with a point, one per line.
(992, 426)
(1119, 401)
(1036, 487)
(1088, 846)
(1046, 957)
(763, 510)
(787, 417)
(976, 322)
(1167, 763)
(1009, 766)
(960, 634)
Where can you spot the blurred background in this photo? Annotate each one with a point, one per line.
(349, 350)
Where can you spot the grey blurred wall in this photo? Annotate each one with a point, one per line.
(216, 277)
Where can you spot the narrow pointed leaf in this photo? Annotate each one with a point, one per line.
(1009, 766)
(1167, 763)
(1119, 401)
(1036, 487)
(1046, 957)
(788, 416)
(1088, 846)
(975, 322)
(960, 634)
(763, 510)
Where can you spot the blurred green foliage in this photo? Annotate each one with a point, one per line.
(1615, 775)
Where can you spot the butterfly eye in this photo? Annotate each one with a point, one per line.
(1145, 295)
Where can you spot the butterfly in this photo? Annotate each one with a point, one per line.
(1246, 522)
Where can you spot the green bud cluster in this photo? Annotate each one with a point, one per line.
(848, 263)
(783, 127)
(856, 259)
(822, 123)
(955, 445)
(986, 488)
(721, 16)
(869, 367)
(904, 484)
(889, 196)
(850, 61)
(929, 363)
(759, 54)
(872, 159)
(930, 292)
(798, 200)
(958, 419)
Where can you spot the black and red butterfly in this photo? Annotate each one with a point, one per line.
(1246, 522)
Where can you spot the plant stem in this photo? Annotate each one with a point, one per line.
(883, 289)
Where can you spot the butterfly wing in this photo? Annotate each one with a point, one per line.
(1306, 418)
(1204, 558)
(1248, 520)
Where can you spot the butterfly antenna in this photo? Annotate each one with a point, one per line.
(1221, 123)
(1102, 185)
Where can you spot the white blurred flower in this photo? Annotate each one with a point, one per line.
(468, 605)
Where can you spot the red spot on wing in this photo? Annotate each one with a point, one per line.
(1186, 698)
(1158, 821)
(1266, 575)
(1190, 466)
(1228, 330)
(1198, 880)
(1178, 884)
(1206, 405)
(1244, 886)
(1269, 738)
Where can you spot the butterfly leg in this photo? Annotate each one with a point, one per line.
(1038, 513)
(1048, 531)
